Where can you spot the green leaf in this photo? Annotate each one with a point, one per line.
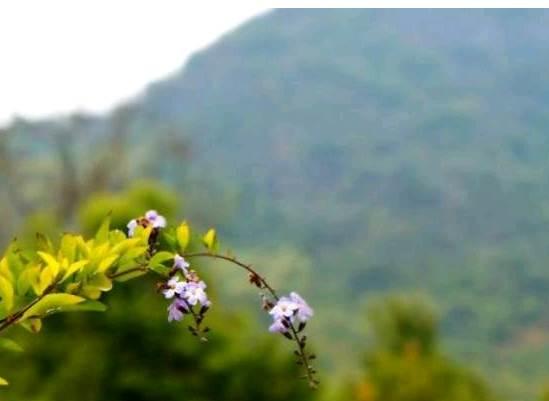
(160, 269)
(160, 258)
(50, 303)
(155, 264)
(183, 234)
(210, 239)
(170, 240)
(10, 345)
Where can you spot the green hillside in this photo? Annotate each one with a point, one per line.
(382, 150)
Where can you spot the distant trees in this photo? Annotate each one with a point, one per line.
(405, 363)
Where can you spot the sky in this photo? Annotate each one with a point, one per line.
(59, 56)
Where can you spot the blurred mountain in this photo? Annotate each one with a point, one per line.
(398, 149)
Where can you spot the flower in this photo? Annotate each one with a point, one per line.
(176, 310)
(194, 292)
(174, 286)
(278, 327)
(287, 311)
(284, 308)
(305, 312)
(152, 218)
(179, 262)
(132, 225)
(155, 219)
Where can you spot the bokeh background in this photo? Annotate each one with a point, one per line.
(391, 165)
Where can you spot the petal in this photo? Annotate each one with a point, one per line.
(159, 222)
(151, 215)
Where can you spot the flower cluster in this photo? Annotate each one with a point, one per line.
(288, 311)
(151, 219)
(187, 291)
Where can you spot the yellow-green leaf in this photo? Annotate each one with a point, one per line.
(106, 263)
(134, 253)
(6, 292)
(50, 303)
(74, 268)
(183, 234)
(91, 292)
(5, 269)
(125, 245)
(46, 279)
(3, 382)
(68, 247)
(33, 325)
(101, 282)
(210, 239)
(51, 262)
(102, 234)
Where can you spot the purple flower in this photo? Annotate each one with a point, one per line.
(180, 263)
(288, 310)
(284, 308)
(155, 219)
(194, 292)
(278, 327)
(177, 309)
(174, 286)
(305, 312)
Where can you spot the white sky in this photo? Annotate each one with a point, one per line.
(58, 56)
